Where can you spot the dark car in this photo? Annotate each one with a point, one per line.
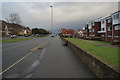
(52, 35)
(25, 35)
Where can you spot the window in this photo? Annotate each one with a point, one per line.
(102, 21)
(109, 28)
(117, 36)
(117, 27)
(109, 20)
(114, 16)
(109, 35)
(102, 29)
(90, 30)
(117, 16)
(102, 35)
(93, 30)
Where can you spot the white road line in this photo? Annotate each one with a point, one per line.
(15, 63)
(34, 49)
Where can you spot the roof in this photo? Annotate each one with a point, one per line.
(115, 12)
(80, 29)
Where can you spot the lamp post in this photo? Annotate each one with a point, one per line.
(51, 17)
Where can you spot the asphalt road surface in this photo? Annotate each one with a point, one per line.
(42, 58)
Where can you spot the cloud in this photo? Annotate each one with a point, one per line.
(66, 14)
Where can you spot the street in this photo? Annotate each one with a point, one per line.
(41, 58)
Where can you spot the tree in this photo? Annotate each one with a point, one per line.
(39, 31)
(14, 18)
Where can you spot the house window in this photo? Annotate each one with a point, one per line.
(114, 16)
(102, 35)
(93, 24)
(103, 22)
(93, 30)
(117, 36)
(117, 27)
(102, 29)
(109, 35)
(90, 30)
(109, 28)
(117, 16)
(109, 20)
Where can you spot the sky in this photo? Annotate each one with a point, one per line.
(70, 15)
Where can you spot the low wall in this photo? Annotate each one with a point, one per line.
(100, 69)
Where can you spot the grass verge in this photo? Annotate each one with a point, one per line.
(18, 39)
(15, 40)
(107, 54)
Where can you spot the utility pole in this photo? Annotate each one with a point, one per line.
(51, 18)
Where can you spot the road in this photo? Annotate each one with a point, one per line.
(42, 58)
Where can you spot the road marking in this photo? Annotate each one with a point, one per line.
(15, 63)
(32, 50)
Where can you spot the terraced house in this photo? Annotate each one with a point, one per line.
(94, 27)
(105, 29)
(86, 31)
(116, 27)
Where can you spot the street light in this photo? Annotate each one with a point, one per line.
(51, 17)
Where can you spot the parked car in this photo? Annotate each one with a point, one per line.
(13, 36)
(25, 35)
(52, 35)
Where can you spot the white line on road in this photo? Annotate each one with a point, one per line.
(34, 49)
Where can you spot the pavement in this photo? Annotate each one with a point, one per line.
(42, 58)
(101, 44)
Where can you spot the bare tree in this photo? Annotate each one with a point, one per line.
(14, 18)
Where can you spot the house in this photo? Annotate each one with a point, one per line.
(85, 31)
(27, 31)
(95, 26)
(90, 29)
(105, 29)
(116, 27)
(109, 29)
(80, 33)
(6, 31)
(102, 32)
(63, 32)
(70, 32)
(67, 32)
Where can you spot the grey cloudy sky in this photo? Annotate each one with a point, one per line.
(66, 14)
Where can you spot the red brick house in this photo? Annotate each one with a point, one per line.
(80, 32)
(63, 32)
(109, 29)
(67, 32)
(85, 31)
(102, 31)
(116, 27)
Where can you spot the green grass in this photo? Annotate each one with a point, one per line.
(101, 42)
(107, 54)
(18, 39)
(15, 40)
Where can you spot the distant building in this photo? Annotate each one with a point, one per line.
(86, 30)
(6, 31)
(67, 32)
(80, 33)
